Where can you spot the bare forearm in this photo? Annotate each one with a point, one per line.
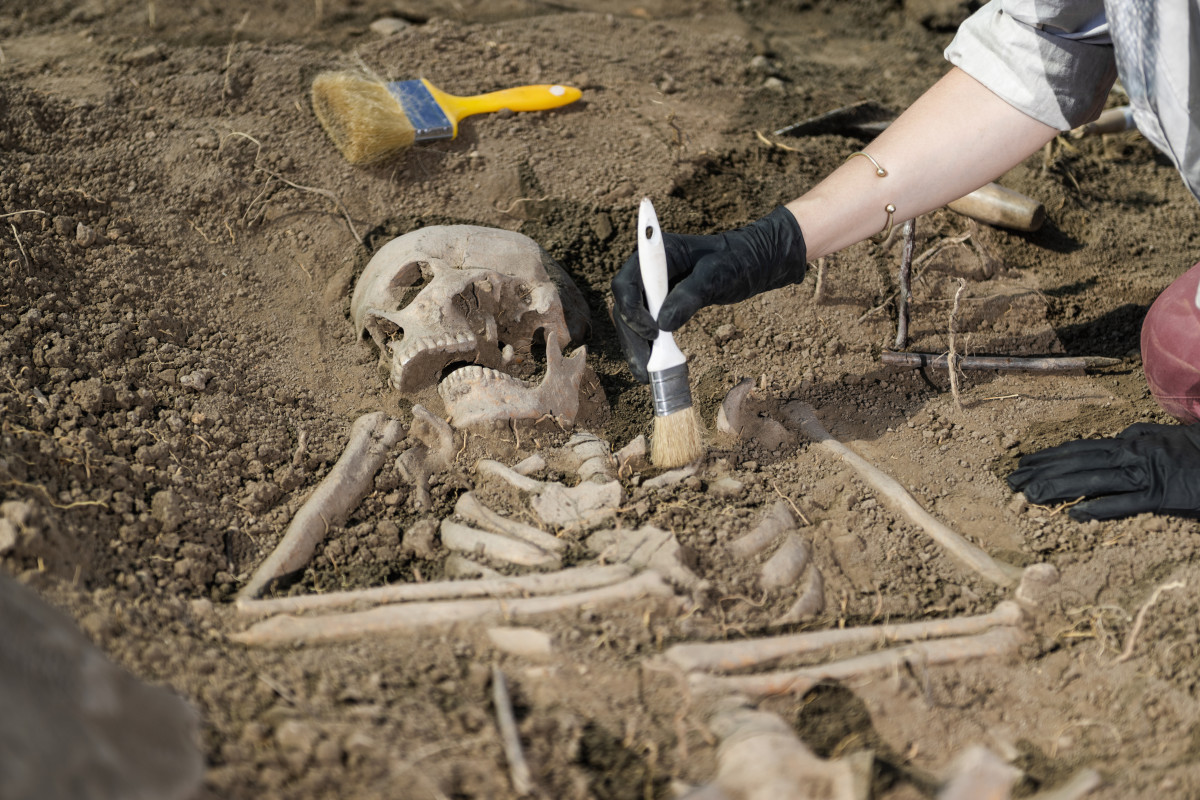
(952, 140)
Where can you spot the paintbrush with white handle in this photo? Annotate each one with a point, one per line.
(677, 438)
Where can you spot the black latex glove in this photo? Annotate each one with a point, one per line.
(1146, 467)
(719, 269)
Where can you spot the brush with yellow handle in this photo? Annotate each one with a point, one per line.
(368, 119)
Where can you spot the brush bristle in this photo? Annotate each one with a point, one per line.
(364, 120)
(678, 439)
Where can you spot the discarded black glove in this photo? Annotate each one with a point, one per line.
(719, 269)
(1146, 467)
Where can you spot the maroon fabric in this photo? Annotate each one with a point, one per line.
(1171, 348)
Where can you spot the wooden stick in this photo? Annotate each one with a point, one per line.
(746, 653)
(1015, 363)
(996, 642)
(518, 768)
(1004, 208)
(410, 618)
(959, 548)
(371, 437)
(904, 294)
(952, 358)
(576, 578)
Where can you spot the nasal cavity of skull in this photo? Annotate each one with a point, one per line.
(528, 359)
(408, 282)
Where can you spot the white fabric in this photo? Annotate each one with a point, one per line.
(1056, 60)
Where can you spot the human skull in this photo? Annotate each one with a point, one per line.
(464, 308)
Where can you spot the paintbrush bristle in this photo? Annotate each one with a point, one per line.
(364, 120)
(678, 439)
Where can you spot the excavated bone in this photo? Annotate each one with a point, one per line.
(460, 293)
(809, 604)
(777, 521)
(1000, 641)
(435, 452)
(528, 466)
(633, 456)
(646, 547)
(456, 565)
(672, 477)
(979, 773)
(737, 417)
(1078, 786)
(371, 436)
(478, 396)
(575, 578)
(761, 758)
(895, 495)
(582, 506)
(593, 458)
(528, 643)
(786, 564)
(469, 508)
(743, 653)
(444, 296)
(496, 547)
(413, 617)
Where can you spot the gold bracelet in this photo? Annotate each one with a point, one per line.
(889, 208)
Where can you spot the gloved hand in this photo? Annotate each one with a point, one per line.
(1147, 467)
(719, 269)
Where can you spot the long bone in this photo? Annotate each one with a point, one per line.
(412, 617)
(576, 578)
(999, 641)
(583, 506)
(894, 494)
(371, 436)
(745, 653)
(496, 547)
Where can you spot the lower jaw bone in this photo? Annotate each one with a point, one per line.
(477, 397)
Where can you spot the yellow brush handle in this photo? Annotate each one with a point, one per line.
(519, 98)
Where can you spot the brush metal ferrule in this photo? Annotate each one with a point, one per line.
(671, 390)
(428, 119)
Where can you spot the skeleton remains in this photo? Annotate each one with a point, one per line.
(466, 309)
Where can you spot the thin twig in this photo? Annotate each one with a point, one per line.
(905, 291)
(518, 768)
(1127, 653)
(952, 359)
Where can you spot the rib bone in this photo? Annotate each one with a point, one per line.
(465, 539)
(469, 508)
(778, 520)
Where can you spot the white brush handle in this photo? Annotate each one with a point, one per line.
(652, 257)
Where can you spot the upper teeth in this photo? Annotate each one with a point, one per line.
(410, 349)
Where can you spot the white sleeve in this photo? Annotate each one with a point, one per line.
(1051, 59)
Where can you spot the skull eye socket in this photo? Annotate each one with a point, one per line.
(408, 282)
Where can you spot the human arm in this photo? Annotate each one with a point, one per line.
(955, 138)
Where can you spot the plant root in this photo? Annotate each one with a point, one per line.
(371, 436)
(955, 545)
